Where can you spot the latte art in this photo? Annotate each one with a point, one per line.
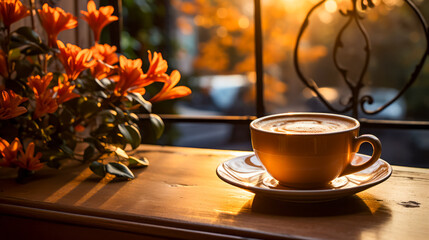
(305, 126)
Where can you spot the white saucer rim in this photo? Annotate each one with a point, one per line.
(307, 192)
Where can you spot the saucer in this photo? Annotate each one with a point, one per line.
(247, 172)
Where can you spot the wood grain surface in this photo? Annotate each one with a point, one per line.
(180, 196)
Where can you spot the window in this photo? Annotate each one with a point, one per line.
(212, 44)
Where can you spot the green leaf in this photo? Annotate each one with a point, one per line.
(23, 69)
(66, 117)
(121, 153)
(52, 157)
(120, 114)
(119, 170)
(118, 140)
(55, 163)
(29, 34)
(157, 125)
(137, 163)
(32, 50)
(14, 54)
(98, 168)
(143, 102)
(108, 115)
(100, 94)
(133, 117)
(88, 108)
(88, 154)
(66, 138)
(97, 144)
(28, 41)
(67, 150)
(131, 134)
(86, 85)
(103, 129)
(105, 83)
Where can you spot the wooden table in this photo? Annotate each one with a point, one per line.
(180, 196)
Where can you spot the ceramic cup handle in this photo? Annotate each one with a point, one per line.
(376, 146)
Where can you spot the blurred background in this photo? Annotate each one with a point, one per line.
(211, 42)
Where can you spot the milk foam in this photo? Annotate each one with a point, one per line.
(305, 125)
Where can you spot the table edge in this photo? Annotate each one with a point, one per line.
(130, 223)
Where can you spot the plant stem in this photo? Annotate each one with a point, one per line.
(45, 64)
(33, 25)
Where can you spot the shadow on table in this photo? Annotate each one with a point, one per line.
(344, 206)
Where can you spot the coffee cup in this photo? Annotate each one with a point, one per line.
(309, 150)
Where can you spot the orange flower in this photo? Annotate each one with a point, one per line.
(28, 160)
(45, 100)
(64, 90)
(106, 54)
(39, 84)
(74, 59)
(131, 77)
(9, 152)
(79, 128)
(98, 19)
(169, 91)
(158, 67)
(54, 21)
(45, 103)
(9, 105)
(12, 11)
(4, 72)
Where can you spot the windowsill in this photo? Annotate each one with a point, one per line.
(180, 196)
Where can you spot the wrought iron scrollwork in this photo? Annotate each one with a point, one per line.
(355, 100)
